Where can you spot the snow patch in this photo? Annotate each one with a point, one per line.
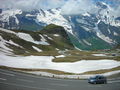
(105, 38)
(86, 14)
(29, 15)
(48, 37)
(86, 42)
(98, 54)
(77, 48)
(3, 44)
(57, 49)
(109, 31)
(86, 28)
(60, 56)
(56, 35)
(115, 34)
(43, 41)
(7, 31)
(37, 49)
(11, 42)
(27, 37)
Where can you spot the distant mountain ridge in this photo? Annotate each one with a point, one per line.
(87, 31)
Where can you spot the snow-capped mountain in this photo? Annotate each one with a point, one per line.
(85, 30)
(13, 18)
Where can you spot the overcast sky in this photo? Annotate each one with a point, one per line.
(46, 4)
(68, 6)
(31, 4)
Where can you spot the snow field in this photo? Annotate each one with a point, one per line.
(45, 62)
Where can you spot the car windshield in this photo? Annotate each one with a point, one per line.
(95, 77)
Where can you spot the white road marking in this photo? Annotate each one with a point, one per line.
(26, 86)
(37, 76)
(24, 80)
(55, 84)
(116, 81)
(113, 79)
(3, 79)
(7, 74)
(24, 74)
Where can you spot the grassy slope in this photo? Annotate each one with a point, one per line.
(75, 55)
(96, 43)
(61, 42)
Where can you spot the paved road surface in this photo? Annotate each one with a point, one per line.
(10, 80)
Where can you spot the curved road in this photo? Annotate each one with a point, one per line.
(10, 80)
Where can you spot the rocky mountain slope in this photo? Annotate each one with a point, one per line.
(29, 42)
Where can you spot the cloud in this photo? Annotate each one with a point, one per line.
(31, 4)
(116, 12)
(83, 6)
(67, 6)
(115, 5)
(78, 7)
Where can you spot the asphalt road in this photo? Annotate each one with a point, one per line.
(10, 80)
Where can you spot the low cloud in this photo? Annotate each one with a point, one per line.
(83, 6)
(78, 7)
(115, 5)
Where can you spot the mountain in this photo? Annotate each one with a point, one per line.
(87, 31)
(22, 42)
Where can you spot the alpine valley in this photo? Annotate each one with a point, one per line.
(61, 43)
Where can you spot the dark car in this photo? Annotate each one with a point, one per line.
(98, 79)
